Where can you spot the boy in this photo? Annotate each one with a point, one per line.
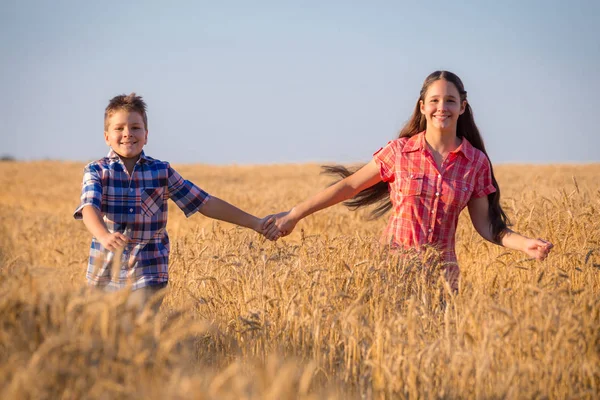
(124, 206)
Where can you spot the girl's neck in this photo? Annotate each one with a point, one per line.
(442, 142)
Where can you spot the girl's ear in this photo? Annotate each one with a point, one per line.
(421, 107)
(463, 107)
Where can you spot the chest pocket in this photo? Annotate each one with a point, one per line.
(152, 200)
(411, 185)
(461, 193)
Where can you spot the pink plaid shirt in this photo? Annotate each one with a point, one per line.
(426, 200)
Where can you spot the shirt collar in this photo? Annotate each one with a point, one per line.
(114, 156)
(417, 143)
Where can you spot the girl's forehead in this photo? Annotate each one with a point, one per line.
(442, 87)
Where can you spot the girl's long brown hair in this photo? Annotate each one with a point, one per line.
(378, 194)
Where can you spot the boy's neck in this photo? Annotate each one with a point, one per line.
(130, 163)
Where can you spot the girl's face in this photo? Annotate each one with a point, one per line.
(442, 106)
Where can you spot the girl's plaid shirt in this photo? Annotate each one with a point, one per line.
(426, 200)
(136, 206)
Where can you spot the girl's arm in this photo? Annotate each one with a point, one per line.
(345, 189)
(535, 248)
(223, 211)
(92, 220)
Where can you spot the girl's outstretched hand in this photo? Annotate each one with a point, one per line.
(538, 248)
(279, 225)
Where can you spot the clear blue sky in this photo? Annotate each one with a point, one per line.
(281, 81)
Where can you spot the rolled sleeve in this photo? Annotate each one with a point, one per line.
(483, 180)
(386, 158)
(188, 197)
(91, 190)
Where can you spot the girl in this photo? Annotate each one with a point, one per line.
(436, 167)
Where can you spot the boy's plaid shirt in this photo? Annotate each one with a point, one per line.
(136, 206)
(426, 200)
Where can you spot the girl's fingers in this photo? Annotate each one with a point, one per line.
(271, 232)
(270, 235)
(543, 252)
(267, 223)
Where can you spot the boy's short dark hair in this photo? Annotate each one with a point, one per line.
(130, 102)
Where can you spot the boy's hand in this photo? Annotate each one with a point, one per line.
(268, 221)
(538, 248)
(279, 225)
(113, 241)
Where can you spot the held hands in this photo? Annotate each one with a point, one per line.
(262, 222)
(537, 248)
(278, 225)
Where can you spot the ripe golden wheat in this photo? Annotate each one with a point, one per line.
(323, 313)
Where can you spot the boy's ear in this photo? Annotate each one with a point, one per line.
(106, 138)
(146, 137)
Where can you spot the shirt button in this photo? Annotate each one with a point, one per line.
(131, 210)
(440, 176)
(131, 190)
(429, 230)
(437, 194)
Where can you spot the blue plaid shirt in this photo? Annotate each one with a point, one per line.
(136, 206)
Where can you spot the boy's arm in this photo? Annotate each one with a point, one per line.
(222, 210)
(94, 223)
(190, 198)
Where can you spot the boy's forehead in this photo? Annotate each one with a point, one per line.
(122, 116)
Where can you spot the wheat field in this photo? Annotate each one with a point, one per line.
(324, 313)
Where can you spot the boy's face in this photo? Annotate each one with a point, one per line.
(126, 134)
